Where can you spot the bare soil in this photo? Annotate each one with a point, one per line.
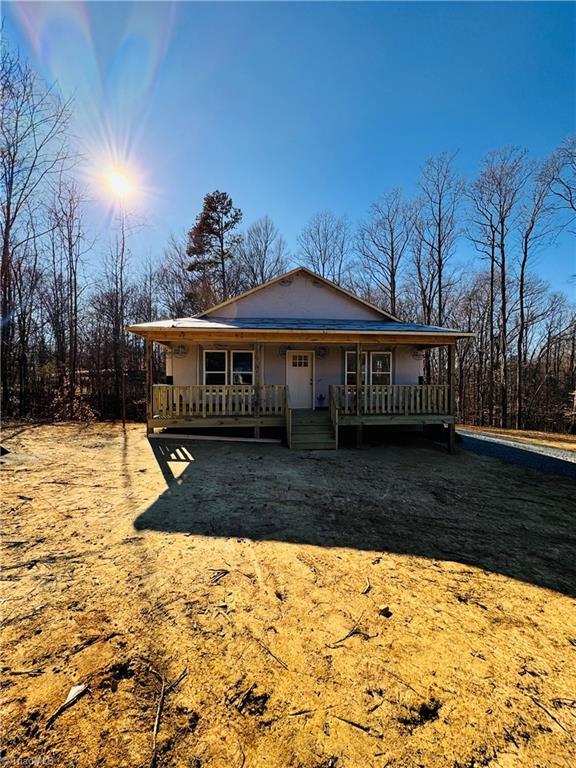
(532, 437)
(393, 606)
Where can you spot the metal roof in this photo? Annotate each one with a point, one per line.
(292, 324)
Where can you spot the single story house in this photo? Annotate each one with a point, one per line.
(287, 354)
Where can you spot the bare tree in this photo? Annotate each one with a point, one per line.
(560, 174)
(325, 245)
(33, 125)
(497, 196)
(383, 240)
(261, 254)
(67, 244)
(182, 293)
(536, 227)
(441, 191)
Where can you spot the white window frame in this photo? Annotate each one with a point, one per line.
(346, 371)
(231, 367)
(204, 371)
(381, 352)
(367, 361)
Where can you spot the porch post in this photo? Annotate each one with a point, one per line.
(148, 360)
(358, 393)
(257, 386)
(451, 397)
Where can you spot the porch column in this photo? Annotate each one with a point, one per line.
(148, 361)
(358, 393)
(452, 397)
(257, 386)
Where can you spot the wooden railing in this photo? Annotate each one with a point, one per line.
(288, 408)
(170, 401)
(334, 411)
(393, 399)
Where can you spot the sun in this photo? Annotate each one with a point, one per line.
(119, 183)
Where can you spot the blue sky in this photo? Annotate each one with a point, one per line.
(297, 107)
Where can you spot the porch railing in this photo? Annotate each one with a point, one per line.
(171, 401)
(334, 411)
(393, 399)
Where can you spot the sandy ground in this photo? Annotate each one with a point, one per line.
(551, 439)
(393, 606)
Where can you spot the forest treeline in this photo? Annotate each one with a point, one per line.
(65, 351)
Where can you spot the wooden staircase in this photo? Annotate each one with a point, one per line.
(312, 431)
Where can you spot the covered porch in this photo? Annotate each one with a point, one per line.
(270, 399)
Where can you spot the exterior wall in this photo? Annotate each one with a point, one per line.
(296, 297)
(184, 370)
(406, 368)
(329, 365)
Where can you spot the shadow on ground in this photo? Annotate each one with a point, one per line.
(412, 500)
(532, 457)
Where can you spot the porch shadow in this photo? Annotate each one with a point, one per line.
(403, 499)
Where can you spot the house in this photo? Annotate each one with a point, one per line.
(287, 354)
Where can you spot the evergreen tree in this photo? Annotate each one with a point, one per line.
(212, 239)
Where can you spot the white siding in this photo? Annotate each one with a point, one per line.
(406, 365)
(185, 368)
(296, 297)
(329, 361)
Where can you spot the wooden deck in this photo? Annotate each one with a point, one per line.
(208, 406)
(390, 404)
(200, 405)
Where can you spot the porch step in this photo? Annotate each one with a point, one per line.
(306, 427)
(312, 430)
(326, 446)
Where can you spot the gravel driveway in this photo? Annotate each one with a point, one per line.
(542, 457)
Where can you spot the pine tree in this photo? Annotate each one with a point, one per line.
(212, 240)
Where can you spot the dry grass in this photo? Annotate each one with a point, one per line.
(551, 439)
(388, 607)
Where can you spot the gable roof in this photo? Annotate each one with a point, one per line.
(292, 273)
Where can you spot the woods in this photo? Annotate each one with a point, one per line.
(460, 252)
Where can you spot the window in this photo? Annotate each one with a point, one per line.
(350, 377)
(380, 367)
(242, 367)
(379, 372)
(215, 368)
(300, 361)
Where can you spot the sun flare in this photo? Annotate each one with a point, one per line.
(119, 183)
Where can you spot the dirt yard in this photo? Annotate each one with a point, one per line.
(253, 607)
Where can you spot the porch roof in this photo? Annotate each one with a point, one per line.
(296, 329)
(291, 324)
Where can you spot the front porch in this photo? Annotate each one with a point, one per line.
(208, 406)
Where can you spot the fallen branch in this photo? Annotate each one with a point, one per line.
(404, 683)
(354, 631)
(178, 680)
(368, 586)
(364, 728)
(551, 715)
(165, 688)
(218, 574)
(158, 715)
(265, 647)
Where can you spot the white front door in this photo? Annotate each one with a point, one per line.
(300, 378)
